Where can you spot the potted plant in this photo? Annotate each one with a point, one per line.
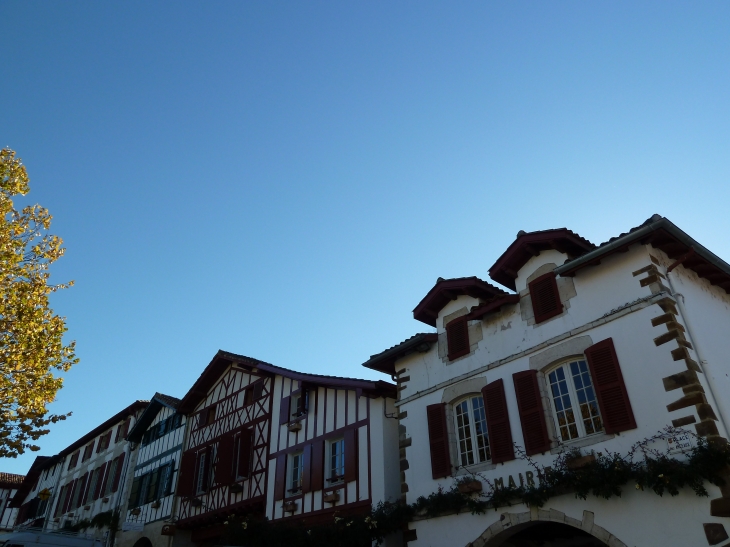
(290, 506)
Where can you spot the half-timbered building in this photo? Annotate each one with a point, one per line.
(588, 349)
(9, 485)
(268, 441)
(87, 476)
(157, 439)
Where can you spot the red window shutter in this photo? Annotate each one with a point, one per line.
(244, 452)
(457, 337)
(498, 427)
(307, 468)
(186, 474)
(351, 455)
(545, 297)
(316, 482)
(284, 410)
(99, 480)
(84, 484)
(59, 505)
(224, 466)
(69, 491)
(119, 432)
(104, 477)
(87, 493)
(532, 412)
(608, 382)
(118, 472)
(438, 440)
(280, 479)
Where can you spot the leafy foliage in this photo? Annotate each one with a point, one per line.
(603, 476)
(31, 336)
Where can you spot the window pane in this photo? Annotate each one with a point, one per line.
(463, 432)
(587, 399)
(480, 427)
(562, 404)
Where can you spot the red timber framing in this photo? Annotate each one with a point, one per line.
(234, 436)
(296, 414)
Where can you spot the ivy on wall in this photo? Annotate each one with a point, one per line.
(603, 475)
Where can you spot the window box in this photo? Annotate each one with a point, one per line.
(294, 426)
(87, 507)
(136, 511)
(578, 462)
(290, 506)
(332, 497)
(155, 504)
(235, 488)
(104, 500)
(470, 486)
(196, 502)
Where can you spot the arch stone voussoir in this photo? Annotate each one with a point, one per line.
(511, 523)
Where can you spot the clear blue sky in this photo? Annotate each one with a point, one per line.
(286, 180)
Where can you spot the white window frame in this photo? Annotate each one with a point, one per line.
(472, 429)
(332, 477)
(296, 465)
(572, 393)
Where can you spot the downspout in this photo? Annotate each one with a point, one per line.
(703, 364)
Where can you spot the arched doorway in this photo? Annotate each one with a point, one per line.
(143, 542)
(547, 534)
(545, 528)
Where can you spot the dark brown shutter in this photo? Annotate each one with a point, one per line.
(69, 492)
(545, 297)
(59, 505)
(118, 472)
(350, 455)
(438, 440)
(244, 452)
(88, 492)
(99, 481)
(500, 434)
(608, 382)
(284, 410)
(457, 337)
(202, 418)
(317, 468)
(186, 474)
(307, 468)
(84, 488)
(224, 467)
(532, 413)
(280, 479)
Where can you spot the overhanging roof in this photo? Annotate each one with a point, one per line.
(446, 290)
(39, 464)
(385, 360)
(662, 234)
(527, 245)
(223, 359)
(158, 401)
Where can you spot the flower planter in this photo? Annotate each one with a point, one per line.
(290, 506)
(469, 487)
(577, 463)
(155, 504)
(331, 497)
(195, 502)
(136, 511)
(295, 426)
(235, 488)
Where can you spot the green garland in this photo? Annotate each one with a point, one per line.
(604, 477)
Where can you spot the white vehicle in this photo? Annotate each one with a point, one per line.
(26, 538)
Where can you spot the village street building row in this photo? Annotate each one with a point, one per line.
(571, 346)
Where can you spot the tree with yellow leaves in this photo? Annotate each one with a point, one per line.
(31, 336)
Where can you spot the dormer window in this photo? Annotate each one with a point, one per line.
(457, 337)
(545, 297)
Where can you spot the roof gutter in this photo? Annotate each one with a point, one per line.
(660, 223)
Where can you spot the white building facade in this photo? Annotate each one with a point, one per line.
(157, 439)
(9, 485)
(273, 443)
(589, 348)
